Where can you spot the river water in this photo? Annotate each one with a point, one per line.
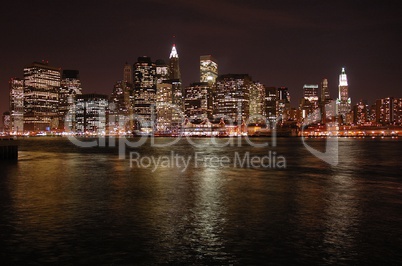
(69, 205)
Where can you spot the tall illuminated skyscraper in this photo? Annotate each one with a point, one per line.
(324, 91)
(208, 69)
(282, 103)
(257, 97)
(90, 113)
(70, 86)
(343, 102)
(41, 97)
(16, 105)
(121, 107)
(144, 94)
(198, 101)
(232, 97)
(174, 64)
(270, 99)
(309, 103)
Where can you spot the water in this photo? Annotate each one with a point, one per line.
(64, 204)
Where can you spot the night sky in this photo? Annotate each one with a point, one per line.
(279, 43)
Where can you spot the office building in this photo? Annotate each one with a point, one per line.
(70, 86)
(257, 97)
(208, 69)
(198, 101)
(343, 101)
(6, 121)
(144, 92)
(174, 64)
(309, 102)
(270, 105)
(162, 71)
(232, 97)
(41, 97)
(282, 104)
(128, 73)
(90, 114)
(360, 113)
(121, 108)
(16, 89)
(325, 96)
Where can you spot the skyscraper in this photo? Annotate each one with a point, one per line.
(41, 97)
(90, 113)
(121, 107)
(198, 101)
(282, 103)
(343, 101)
(325, 91)
(232, 97)
(270, 98)
(70, 86)
(16, 105)
(257, 96)
(360, 113)
(144, 93)
(162, 71)
(208, 69)
(174, 64)
(128, 73)
(164, 110)
(309, 102)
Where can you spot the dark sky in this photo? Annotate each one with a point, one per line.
(279, 43)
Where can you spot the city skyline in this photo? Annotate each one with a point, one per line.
(285, 45)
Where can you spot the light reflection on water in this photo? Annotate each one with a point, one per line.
(63, 204)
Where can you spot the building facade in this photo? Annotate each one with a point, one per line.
(257, 97)
(41, 97)
(343, 101)
(208, 69)
(144, 92)
(90, 114)
(16, 88)
(232, 97)
(198, 101)
(70, 86)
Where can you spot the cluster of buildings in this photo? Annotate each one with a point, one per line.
(151, 99)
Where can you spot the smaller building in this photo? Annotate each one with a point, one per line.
(208, 69)
(90, 114)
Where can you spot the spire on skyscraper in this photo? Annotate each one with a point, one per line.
(173, 53)
(343, 79)
(174, 64)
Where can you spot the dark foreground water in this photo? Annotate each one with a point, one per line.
(69, 205)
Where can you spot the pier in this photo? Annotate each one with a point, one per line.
(8, 149)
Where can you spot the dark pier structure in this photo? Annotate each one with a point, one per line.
(8, 149)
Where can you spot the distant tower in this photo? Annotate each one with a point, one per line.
(174, 64)
(282, 103)
(70, 87)
(208, 69)
(128, 73)
(17, 105)
(324, 91)
(343, 101)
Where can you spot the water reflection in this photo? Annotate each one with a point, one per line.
(72, 207)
